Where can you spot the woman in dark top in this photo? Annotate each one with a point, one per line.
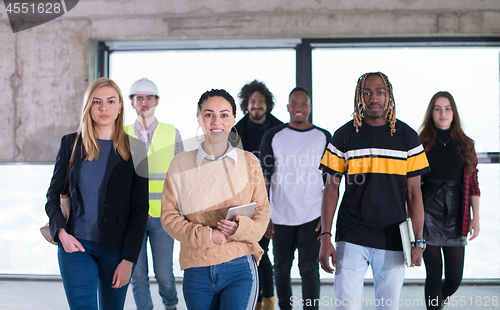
(109, 203)
(449, 191)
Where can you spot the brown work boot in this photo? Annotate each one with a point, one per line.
(268, 303)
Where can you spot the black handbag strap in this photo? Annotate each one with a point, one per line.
(66, 189)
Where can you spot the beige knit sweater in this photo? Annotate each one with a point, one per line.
(196, 198)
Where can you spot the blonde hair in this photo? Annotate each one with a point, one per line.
(86, 129)
(359, 102)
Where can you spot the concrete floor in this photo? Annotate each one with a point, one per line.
(27, 293)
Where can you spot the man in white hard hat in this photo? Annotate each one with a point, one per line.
(163, 142)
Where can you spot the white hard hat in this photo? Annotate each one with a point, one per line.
(143, 87)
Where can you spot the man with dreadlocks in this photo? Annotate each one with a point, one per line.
(383, 160)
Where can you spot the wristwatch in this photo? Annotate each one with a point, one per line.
(420, 243)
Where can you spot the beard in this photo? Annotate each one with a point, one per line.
(257, 116)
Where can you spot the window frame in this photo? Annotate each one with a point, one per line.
(303, 48)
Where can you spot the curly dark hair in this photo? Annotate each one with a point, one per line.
(249, 89)
(216, 93)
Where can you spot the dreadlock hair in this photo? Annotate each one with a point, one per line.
(359, 103)
(427, 135)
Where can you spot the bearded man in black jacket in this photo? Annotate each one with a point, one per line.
(257, 103)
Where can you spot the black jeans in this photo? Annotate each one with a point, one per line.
(266, 279)
(285, 240)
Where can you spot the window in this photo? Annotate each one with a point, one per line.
(470, 74)
(183, 70)
(416, 74)
(183, 76)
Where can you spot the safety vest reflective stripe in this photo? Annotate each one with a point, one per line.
(160, 154)
(155, 196)
(157, 176)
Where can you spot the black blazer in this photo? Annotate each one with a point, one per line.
(126, 202)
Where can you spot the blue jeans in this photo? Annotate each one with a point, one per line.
(84, 274)
(232, 285)
(352, 263)
(162, 248)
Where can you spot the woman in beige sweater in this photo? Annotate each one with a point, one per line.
(218, 256)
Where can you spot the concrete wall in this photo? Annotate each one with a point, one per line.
(44, 70)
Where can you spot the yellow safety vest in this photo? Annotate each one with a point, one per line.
(160, 154)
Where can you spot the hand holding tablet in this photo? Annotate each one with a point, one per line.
(243, 210)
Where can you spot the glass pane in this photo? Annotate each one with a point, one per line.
(183, 76)
(22, 212)
(469, 74)
(23, 186)
(416, 74)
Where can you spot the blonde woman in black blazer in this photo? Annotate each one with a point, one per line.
(109, 203)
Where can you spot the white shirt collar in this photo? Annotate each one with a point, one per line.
(202, 155)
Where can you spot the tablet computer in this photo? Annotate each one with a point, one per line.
(407, 238)
(244, 210)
